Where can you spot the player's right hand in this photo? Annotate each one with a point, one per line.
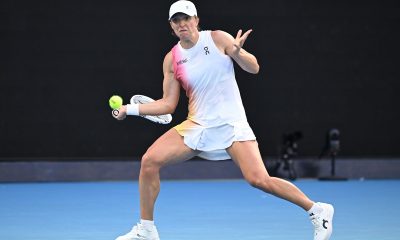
(120, 113)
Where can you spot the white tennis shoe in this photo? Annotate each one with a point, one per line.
(323, 222)
(139, 232)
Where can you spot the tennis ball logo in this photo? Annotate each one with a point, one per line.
(115, 102)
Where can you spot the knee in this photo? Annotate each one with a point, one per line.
(260, 181)
(149, 164)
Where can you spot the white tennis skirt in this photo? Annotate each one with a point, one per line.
(213, 141)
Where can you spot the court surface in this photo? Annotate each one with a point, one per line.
(196, 210)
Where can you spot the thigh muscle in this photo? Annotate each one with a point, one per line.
(247, 156)
(169, 149)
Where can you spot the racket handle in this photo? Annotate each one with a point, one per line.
(115, 112)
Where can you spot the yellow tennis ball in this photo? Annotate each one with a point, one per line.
(115, 102)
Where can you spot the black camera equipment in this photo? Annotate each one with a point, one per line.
(288, 151)
(331, 148)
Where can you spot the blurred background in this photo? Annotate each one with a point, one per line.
(325, 66)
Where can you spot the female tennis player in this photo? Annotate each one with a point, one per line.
(216, 127)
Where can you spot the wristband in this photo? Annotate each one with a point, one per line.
(132, 109)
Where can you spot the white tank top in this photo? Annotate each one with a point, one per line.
(208, 77)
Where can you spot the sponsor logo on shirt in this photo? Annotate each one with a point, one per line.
(206, 51)
(182, 61)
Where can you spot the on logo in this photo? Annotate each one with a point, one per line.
(206, 51)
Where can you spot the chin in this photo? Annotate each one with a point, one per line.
(184, 35)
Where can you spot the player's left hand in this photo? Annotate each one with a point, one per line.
(239, 40)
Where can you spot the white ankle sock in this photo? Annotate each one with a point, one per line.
(315, 209)
(147, 223)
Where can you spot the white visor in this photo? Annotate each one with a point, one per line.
(183, 6)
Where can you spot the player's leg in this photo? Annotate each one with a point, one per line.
(166, 150)
(247, 156)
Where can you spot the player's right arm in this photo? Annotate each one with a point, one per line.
(171, 91)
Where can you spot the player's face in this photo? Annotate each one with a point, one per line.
(184, 26)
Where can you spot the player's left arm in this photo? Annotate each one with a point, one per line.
(234, 48)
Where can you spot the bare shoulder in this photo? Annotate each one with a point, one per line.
(222, 39)
(168, 62)
(168, 57)
(220, 35)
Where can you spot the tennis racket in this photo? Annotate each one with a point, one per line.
(115, 112)
(141, 99)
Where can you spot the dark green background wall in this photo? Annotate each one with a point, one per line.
(323, 64)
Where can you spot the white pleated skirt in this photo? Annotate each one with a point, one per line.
(212, 142)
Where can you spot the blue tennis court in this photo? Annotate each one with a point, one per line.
(194, 210)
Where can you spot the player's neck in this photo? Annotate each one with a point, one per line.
(190, 42)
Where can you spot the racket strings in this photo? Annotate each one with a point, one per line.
(141, 99)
